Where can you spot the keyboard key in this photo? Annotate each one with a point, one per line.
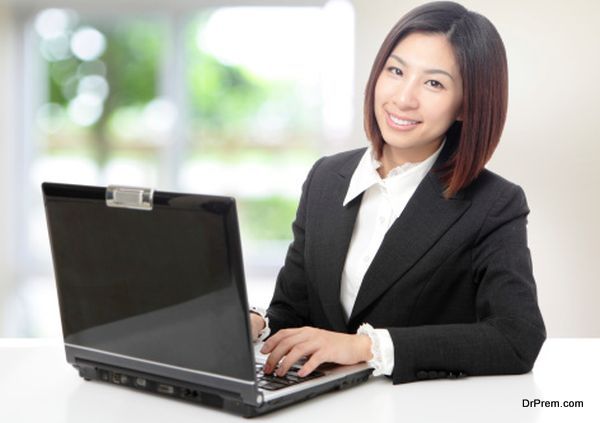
(271, 386)
(273, 382)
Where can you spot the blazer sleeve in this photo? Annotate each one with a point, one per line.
(508, 332)
(289, 305)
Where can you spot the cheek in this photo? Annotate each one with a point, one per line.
(382, 92)
(444, 111)
(377, 97)
(456, 105)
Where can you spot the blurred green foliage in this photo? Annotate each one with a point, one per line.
(221, 96)
(225, 105)
(133, 59)
(130, 64)
(268, 217)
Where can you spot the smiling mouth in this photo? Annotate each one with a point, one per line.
(396, 121)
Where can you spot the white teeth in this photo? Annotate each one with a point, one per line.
(402, 121)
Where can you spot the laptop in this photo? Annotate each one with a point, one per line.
(152, 297)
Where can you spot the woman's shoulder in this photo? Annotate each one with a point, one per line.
(344, 157)
(343, 163)
(491, 181)
(491, 189)
(488, 177)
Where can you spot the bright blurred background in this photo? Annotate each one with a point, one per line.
(236, 101)
(241, 97)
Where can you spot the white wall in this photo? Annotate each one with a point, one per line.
(551, 143)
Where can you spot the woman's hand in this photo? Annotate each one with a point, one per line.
(257, 323)
(320, 345)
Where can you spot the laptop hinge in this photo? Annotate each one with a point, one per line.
(129, 197)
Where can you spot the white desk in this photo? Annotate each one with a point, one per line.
(37, 385)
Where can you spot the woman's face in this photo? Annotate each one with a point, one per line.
(418, 95)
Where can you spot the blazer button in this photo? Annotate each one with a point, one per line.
(422, 374)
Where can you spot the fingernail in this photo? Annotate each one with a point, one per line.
(267, 368)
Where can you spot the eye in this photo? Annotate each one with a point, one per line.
(435, 84)
(394, 70)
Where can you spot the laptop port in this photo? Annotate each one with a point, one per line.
(116, 378)
(166, 389)
(140, 382)
(190, 393)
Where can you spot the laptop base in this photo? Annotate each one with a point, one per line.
(171, 388)
(200, 394)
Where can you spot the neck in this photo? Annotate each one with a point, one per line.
(393, 157)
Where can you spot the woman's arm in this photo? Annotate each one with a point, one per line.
(509, 331)
(289, 305)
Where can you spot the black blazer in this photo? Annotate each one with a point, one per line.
(452, 280)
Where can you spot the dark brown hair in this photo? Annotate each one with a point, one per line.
(481, 57)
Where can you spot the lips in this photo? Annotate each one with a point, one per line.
(398, 121)
(401, 122)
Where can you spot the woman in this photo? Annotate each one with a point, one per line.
(409, 254)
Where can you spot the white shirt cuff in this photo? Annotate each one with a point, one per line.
(266, 331)
(382, 349)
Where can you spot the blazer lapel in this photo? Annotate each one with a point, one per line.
(426, 217)
(335, 232)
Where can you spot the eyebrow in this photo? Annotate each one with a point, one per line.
(427, 71)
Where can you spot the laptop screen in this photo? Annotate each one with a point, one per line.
(163, 285)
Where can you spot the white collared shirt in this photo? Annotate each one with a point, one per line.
(382, 203)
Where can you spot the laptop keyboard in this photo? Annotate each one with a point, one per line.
(272, 382)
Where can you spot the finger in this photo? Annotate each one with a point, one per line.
(296, 353)
(276, 343)
(282, 349)
(274, 340)
(315, 361)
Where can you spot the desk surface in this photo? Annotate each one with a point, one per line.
(36, 384)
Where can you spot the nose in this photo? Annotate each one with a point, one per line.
(406, 97)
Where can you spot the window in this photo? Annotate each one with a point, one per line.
(235, 100)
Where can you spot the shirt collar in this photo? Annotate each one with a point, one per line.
(365, 175)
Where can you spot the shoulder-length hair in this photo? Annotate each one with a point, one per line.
(481, 57)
